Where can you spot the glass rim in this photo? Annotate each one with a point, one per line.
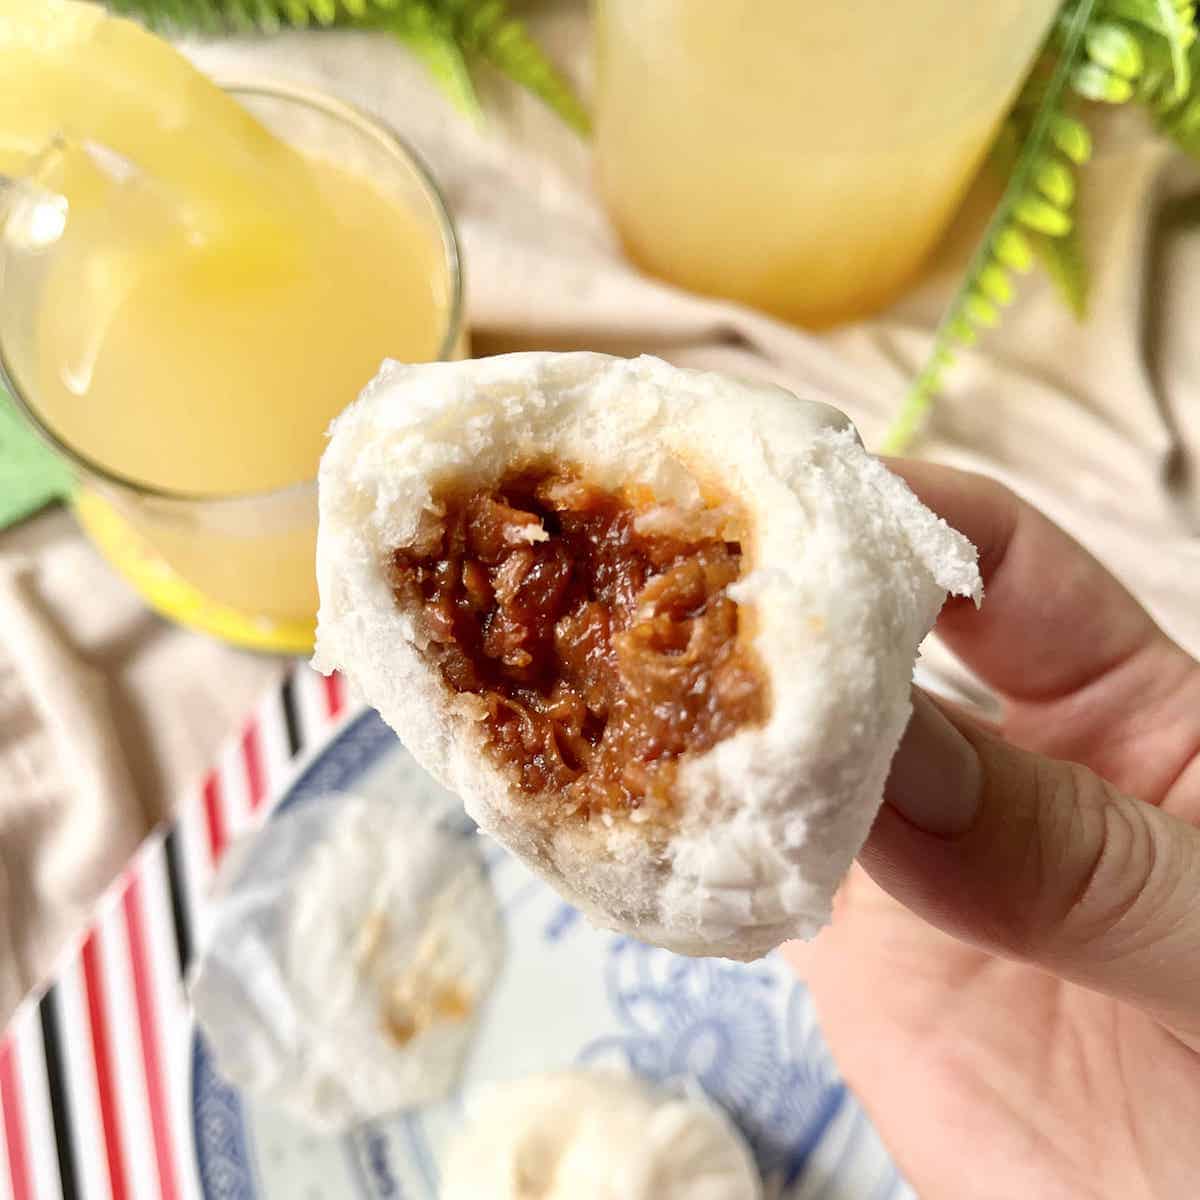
(398, 147)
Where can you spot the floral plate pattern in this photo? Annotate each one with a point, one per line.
(568, 995)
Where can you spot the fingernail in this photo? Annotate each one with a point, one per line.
(936, 779)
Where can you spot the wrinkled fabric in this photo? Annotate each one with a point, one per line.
(108, 715)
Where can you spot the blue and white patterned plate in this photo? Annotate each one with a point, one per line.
(568, 995)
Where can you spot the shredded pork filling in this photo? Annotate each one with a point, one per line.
(597, 634)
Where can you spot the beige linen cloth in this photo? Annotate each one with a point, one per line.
(107, 713)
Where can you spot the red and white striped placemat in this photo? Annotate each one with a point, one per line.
(94, 1070)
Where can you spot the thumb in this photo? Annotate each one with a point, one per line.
(1042, 861)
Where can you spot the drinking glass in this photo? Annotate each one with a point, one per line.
(239, 565)
(797, 155)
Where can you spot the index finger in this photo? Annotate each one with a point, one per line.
(1053, 618)
(1086, 673)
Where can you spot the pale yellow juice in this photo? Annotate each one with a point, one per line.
(200, 369)
(194, 282)
(802, 156)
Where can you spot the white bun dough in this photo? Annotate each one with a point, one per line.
(347, 965)
(845, 572)
(594, 1135)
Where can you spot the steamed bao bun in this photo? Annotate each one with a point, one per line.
(843, 575)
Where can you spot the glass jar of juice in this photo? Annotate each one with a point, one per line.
(801, 156)
(190, 382)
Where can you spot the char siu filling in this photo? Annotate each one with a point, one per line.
(596, 633)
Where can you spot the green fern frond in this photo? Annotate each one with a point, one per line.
(1172, 21)
(1182, 123)
(1178, 120)
(509, 48)
(1063, 261)
(445, 61)
(1138, 48)
(444, 33)
(1180, 32)
(484, 29)
(1106, 51)
(1026, 205)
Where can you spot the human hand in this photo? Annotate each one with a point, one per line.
(1012, 985)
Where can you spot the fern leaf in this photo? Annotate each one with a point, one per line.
(1173, 21)
(1114, 48)
(1063, 261)
(1113, 61)
(507, 45)
(1182, 125)
(1050, 230)
(1111, 51)
(1056, 182)
(1147, 13)
(960, 323)
(443, 57)
(1156, 83)
(1039, 214)
(444, 33)
(215, 16)
(485, 29)
(996, 283)
(1176, 34)
(1093, 82)
(1012, 249)
(1178, 121)
(167, 15)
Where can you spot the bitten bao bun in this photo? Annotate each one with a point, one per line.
(656, 627)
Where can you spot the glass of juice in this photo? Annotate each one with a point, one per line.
(801, 156)
(189, 381)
